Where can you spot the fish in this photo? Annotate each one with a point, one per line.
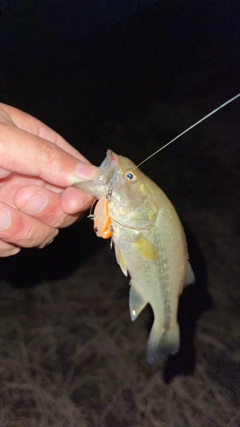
(150, 245)
(149, 240)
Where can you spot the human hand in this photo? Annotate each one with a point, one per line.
(37, 168)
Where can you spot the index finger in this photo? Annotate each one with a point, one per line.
(28, 154)
(30, 124)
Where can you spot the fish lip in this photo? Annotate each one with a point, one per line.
(110, 161)
(104, 165)
(109, 170)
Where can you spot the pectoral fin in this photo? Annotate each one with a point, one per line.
(136, 303)
(146, 248)
(120, 260)
(190, 278)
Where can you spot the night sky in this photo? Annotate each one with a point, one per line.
(103, 57)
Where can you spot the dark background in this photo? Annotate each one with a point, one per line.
(83, 66)
(130, 75)
(95, 60)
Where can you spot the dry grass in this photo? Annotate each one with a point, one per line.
(74, 360)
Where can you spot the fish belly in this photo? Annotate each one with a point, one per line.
(158, 281)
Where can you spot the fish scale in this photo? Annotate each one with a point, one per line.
(149, 241)
(149, 244)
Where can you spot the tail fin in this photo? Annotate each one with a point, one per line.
(162, 340)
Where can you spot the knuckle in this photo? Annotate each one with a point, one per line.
(7, 249)
(34, 235)
(39, 236)
(49, 239)
(50, 154)
(63, 220)
(25, 237)
(59, 218)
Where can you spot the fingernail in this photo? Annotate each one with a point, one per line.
(86, 170)
(5, 219)
(35, 204)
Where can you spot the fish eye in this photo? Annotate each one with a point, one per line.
(130, 176)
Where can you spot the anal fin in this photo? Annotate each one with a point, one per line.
(136, 303)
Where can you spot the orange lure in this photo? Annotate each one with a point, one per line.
(102, 221)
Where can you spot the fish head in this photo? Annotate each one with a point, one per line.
(130, 192)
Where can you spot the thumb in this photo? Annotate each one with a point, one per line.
(28, 154)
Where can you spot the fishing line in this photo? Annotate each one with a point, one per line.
(191, 127)
(91, 215)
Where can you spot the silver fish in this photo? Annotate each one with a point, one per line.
(149, 244)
